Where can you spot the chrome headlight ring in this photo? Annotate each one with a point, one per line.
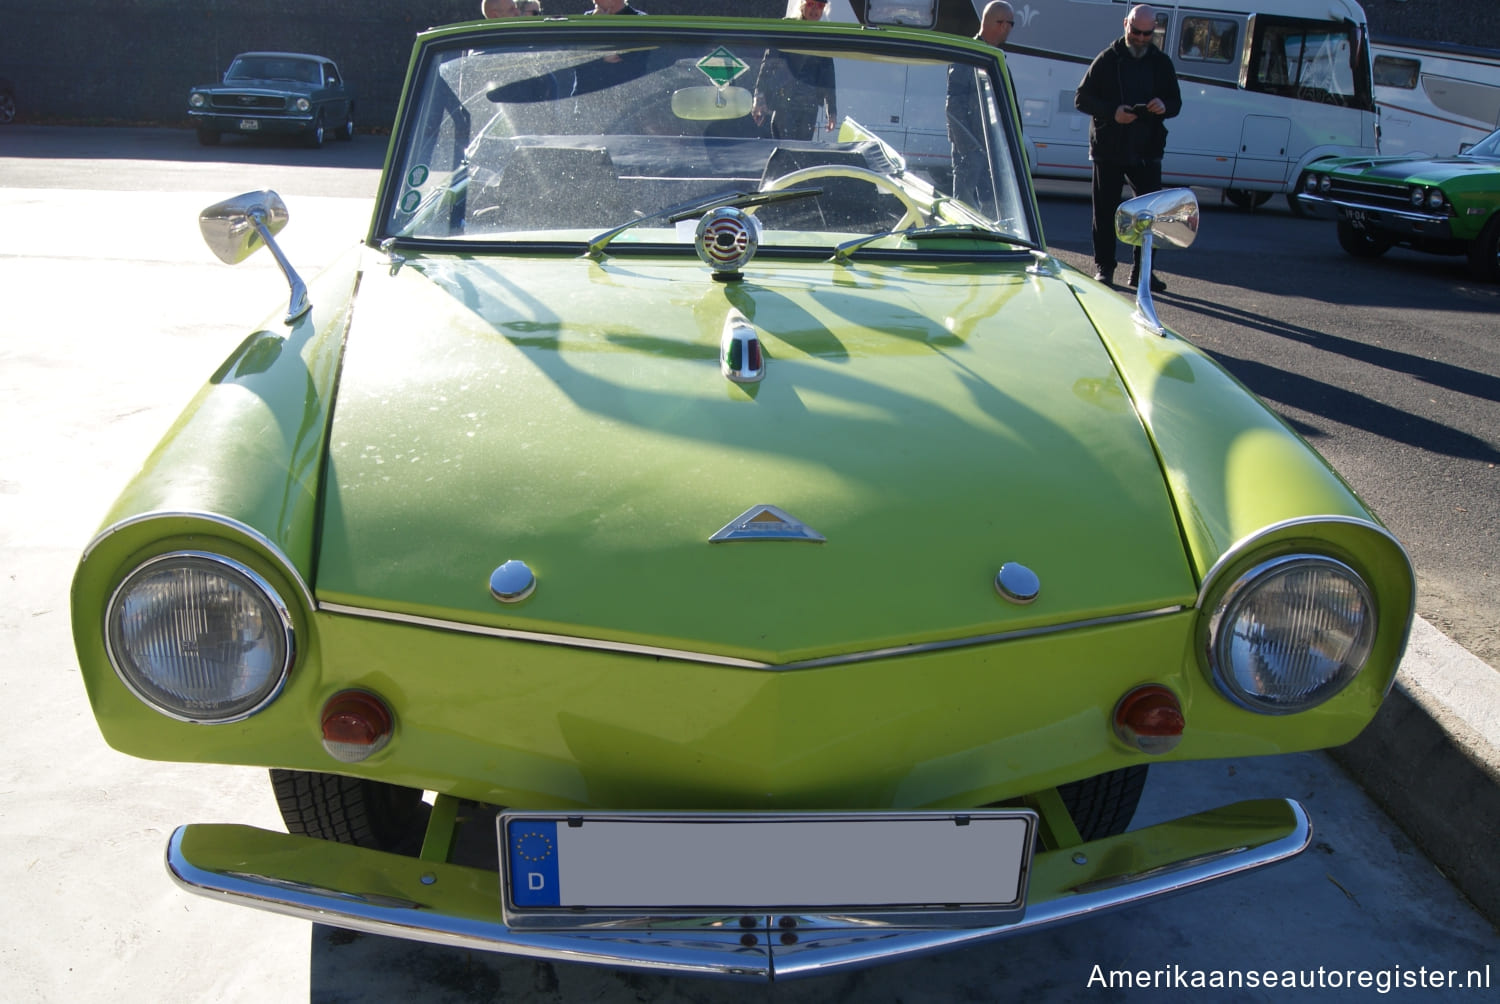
(1290, 633)
(199, 637)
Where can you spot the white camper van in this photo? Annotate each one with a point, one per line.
(1268, 86)
(1434, 98)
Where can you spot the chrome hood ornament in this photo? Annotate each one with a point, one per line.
(766, 522)
(727, 238)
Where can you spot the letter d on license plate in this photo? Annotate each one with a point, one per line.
(948, 866)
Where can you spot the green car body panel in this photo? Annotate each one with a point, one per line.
(931, 411)
(451, 471)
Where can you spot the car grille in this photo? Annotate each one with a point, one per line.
(1369, 194)
(248, 102)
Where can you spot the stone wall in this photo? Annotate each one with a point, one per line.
(134, 61)
(81, 61)
(1467, 22)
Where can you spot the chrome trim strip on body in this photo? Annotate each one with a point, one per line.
(1400, 214)
(257, 538)
(720, 946)
(1242, 546)
(684, 655)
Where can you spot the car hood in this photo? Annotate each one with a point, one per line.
(929, 425)
(1432, 171)
(257, 84)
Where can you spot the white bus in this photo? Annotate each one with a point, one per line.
(1434, 98)
(1268, 86)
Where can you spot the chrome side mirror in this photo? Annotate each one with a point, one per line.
(237, 228)
(1170, 215)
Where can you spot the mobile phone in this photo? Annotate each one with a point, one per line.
(1138, 109)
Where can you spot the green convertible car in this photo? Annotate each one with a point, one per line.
(746, 535)
(1444, 205)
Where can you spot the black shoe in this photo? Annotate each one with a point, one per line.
(1104, 275)
(1157, 285)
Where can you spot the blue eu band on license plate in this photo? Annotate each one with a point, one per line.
(881, 863)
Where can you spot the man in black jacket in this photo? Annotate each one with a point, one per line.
(1129, 91)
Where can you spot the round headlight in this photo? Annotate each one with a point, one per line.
(303, 104)
(1325, 184)
(197, 100)
(1291, 633)
(199, 637)
(1418, 197)
(1435, 199)
(1310, 183)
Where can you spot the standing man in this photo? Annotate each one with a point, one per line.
(973, 180)
(1129, 91)
(791, 88)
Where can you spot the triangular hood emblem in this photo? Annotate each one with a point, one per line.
(766, 522)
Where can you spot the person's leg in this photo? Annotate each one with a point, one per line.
(1144, 178)
(1108, 181)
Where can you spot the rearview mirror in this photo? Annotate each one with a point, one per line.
(710, 104)
(906, 13)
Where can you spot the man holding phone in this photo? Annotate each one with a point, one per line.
(1129, 91)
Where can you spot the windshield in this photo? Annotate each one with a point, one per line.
(1487, 148)
(554, 140)
(303, 71)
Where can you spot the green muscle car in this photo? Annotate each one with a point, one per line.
(1443, 205)
(780, 559)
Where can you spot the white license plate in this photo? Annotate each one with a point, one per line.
(712, 863)
(1356, 217)
(249, 125)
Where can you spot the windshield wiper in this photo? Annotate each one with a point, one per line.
(697, 207)
(966, 231)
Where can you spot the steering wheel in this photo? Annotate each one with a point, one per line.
(914, 216)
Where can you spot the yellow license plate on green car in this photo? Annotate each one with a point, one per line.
(948, 867)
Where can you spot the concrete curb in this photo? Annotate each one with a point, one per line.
(1431, 760)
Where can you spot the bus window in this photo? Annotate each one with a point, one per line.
(1468, 98)
(1393, 71)
(1209, 40)
(1309, 60)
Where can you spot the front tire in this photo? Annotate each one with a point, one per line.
(346, 131)
(1103, 806)
(1484, 253)
(316, 135)
(1361, 243)
(1244, 198)
(350, 810)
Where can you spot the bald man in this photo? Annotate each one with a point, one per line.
(1129, 91)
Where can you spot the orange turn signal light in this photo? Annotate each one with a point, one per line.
(356, 726)
(1150, 719)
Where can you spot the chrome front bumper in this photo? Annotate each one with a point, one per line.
(1387, 218)
(460, 906)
